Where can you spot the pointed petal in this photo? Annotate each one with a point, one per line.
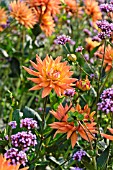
(73, 139)
(46, 91)
(111, 130)
(34, 73)
(37, 87)
(107, 136)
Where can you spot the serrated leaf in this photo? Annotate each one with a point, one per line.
(103, 158)
(30, 113)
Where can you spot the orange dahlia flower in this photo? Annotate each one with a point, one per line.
(85, 130)
(4, 165)
(110, 137)
(83, 85)
(92, 9)
(91, 44)
(47, 24)
(51, 74)
(22, 13)
(108, 56)
(73, 7)
(3, 18)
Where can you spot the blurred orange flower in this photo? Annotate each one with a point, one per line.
(3, 18)
(73, 7)
(91, 44)
(110, 137)
(83, 85)
(108, 56)
(85, 130)
(4, 165)
(47, 24)
(92, 9)
(52, 74)
(22, 13)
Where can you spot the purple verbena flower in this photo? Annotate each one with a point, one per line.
(87, 32)
(28, 123)
(79, 49)
(16, 156)
(13, 124)
(106, 29)
(69, 92)
(23, 140)
(106, 7)
(106, 104)
(78, 155)
(96, 38)
(62, 39)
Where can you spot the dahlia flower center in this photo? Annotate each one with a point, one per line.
(54, 74)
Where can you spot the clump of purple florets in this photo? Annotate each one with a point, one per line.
(78, 155)
(28, 123)
(23, 140)
(69, 92)
(106, 29)
(15, 156)
(106, 105)
(62, 39)
(13, 124)
(106, 7)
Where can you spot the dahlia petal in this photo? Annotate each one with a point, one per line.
(37, 87)
(69, 133)
(46, 91)
(34, 65)
(73, 139)
(34, 73)
(57, 90)
(107, 136)
(35, 80)
(111, 130)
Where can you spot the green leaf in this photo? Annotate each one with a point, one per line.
(36, 30)
(88, 165)
(94, 50)
(30, 113)
(103, 158)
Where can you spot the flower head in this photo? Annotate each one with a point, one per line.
(65, 126)
(16, 157)
(5, 165)
(79, 49)
(13, 124)
(90, 44)
(51, 74)
(28, 123)
(23, 140)
(3, 18)
(108, 56)
(78, 155)
(106, 7)
(92, 9)
(62, 39)
(106, 104)
(75, 168)
(22, 13)
(83, 85)
(69, 92)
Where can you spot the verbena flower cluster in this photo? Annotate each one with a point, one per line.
(106, 105)
(62, 39)
(16, 156)
(69, 92)
(106, 29)
(13, 124)
(107, 7)
(78, 155)
(23, 139)
(79, 49)
(28, 123)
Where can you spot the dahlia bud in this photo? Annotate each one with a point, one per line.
(83, 85)
(72, 57)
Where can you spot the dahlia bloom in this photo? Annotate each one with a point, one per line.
(3, 18)
(110, 137)
(4, 165)
(51, 74)
(92, 9)
(83, 85)
(47, 23)
(108, 56)
(22, 13)
(85, 130)
(90, 44)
